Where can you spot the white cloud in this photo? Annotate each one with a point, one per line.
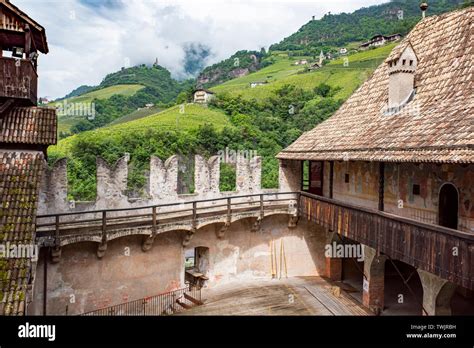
(87, 42)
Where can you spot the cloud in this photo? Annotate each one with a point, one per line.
(91, 38)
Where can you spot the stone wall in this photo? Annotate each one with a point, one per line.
(162, 185)
(127, 273)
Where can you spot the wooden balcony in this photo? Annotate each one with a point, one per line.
(18, 80)
(439, 250)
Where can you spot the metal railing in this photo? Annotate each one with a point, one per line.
(191, 212)
(167, 303)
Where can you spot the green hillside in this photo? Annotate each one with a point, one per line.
(106, 93)
(173, 131)
(337, 30)
(137, 114)
(284, 72)
(65, 122)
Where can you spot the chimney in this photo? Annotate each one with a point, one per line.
(402, 69)
(423, 8)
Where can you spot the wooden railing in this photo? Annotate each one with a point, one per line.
(18, 80)
(167, 303)
(439, 250)
(190, 213)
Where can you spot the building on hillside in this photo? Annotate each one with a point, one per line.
(314, 66)
(257, 83)
(380, 40)
(203, 96)
(26, 130)
(343, 50)
(301, 62)
(393, 170)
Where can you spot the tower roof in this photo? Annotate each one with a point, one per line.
(13, 23)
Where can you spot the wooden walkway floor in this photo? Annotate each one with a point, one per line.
(292, 296)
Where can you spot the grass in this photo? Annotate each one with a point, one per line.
(137, 114)
(191, 118)
(105, 93)
(65, 122)
(349, 78)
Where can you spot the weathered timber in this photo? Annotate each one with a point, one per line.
(436, 249)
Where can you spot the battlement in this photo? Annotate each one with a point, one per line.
(162, 186)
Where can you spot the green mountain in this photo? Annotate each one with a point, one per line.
(239, 64)
(119, 94)
(79, 91)
(398, 16)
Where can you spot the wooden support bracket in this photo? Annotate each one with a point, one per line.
(222, 231)
(55, 254)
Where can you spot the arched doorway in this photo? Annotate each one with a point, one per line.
(448, 206)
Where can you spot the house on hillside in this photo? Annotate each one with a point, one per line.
(314, 66)
(343, 50)
(257, 83)
(393, 171)
(380, 40)
(301, 62)
(203, 96)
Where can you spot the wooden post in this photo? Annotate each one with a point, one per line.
(194, 214)
(261, 206)
(331, 178)
(154, 220)
(56, 236)
(104, 226)
(381, 185)
(45, 280)
(229, 209)
(27, 41)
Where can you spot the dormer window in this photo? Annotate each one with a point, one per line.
(402, 69)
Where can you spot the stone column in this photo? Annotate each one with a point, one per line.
(374, 283)
(437, 294)
(289, 175)
(333, 264)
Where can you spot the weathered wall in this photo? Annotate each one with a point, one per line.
(242, 254)
(124, 273)
(362, 188)
(399, 199)
(162, 184)
(118, 278)
(399, 181)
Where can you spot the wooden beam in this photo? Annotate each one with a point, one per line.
(331, 178)
(381, 185)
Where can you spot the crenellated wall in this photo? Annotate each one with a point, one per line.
(162, 184)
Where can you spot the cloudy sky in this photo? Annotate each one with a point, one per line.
(90, 38)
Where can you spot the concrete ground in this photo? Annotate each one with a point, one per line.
(288, 296)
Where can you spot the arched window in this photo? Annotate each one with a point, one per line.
(448, 206)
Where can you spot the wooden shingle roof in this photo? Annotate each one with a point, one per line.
(436, 126)
(29, 125)
(20, 176)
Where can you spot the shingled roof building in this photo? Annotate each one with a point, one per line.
(393, 168)
(25, 132)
